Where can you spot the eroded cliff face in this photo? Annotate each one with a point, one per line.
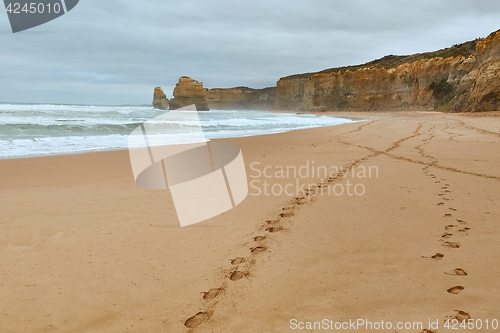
(241, 98)
(465, 77)
(188, 91)
(160, 100)
(484, 94)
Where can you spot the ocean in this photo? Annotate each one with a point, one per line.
(28, 130)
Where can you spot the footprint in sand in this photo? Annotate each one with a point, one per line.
(238, 261)
(212, 293)
(453, 245)
(462, 315)
(453, 209)
(448, 215)
(274, 229)
(461, 221)
(259, 238)
(237, 275)
(457, 271)
(441, 204)
(272, 222)
(447, 235)
(455, 290)
(258, 249)
(198, 319)
(464, 229)
(450, 226)
(286, 214)
(437, 256)
(300, 201)
(446, 199)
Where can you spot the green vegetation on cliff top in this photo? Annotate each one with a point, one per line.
(393, 61)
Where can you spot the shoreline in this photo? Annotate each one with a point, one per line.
(355, 116)
(84, 249)
(222, 138)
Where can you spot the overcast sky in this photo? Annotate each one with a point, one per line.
(117, 51)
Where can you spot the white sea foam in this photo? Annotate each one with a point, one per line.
(35, 130)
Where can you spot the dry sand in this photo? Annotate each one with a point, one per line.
(83, 249)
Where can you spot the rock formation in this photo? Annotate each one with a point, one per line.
(484, 93)
(465, 77)
(241, 98)
(188, 91)
(160, 100)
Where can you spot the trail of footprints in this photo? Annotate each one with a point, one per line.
(453, 229)
(434, 161)
(241, 266)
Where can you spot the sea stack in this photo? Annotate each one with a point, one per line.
(188, 91)
(160, 100)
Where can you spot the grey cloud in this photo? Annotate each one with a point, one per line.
(115, 52)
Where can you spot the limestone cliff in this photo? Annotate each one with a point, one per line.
(484, 94)
(188, 91)
(241, 98)
(160, 100)
(464, 77)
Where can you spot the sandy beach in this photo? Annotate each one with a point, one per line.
(405, 232)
